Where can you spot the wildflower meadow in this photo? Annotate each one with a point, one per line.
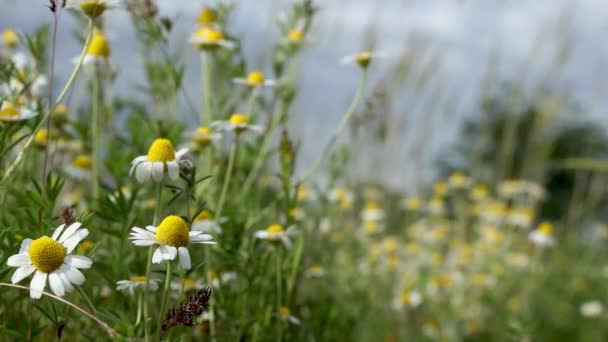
(184, 211)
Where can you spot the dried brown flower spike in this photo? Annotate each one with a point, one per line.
(187, 311)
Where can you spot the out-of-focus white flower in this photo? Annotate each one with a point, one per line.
(592, 309)
(542, 236)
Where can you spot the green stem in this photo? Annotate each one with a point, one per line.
(11, 169)
(157, 210)
(163, 303)
(349, 113)
(207, 270)
(95, 136)
(207, 110)
(231, 158)
(86, 299)
(139, 308)
(279, 290)
(250, 102)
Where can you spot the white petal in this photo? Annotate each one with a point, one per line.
(56, 284)
(78, 261)
(57, 232)
(25, 245)
(69, 232)
(22, 273)
(75, 276)
(286, 242)
(144, 242)
(73, 241)
(37, 284)
(19, 260)
(67, 285)
(152, 229)
(142, 172)
(173, 168)
(157, 257)
(158, 171)
(261, 234)
(169, 252)
(184, 258)
(179, 154)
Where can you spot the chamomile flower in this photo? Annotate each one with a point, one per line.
(413, 203)
(405, 299)
(208, 38)
(372, 212)
(205, 223)
(172, 236)
(92, 8)
(592, 309)
(11, 112)
(542, 236)
(81, 167)
(362, 58)
(315, 271)
(207, 17)
(41, 138)
(276, 233)
(137, 282)
(295, 36)
(238, 123)
(203, 136)
(342, 196)
(10, 38)
(49, 259)
(161, 161)
(255, 80)
(459, 180)
(285, 314)
(521, 217)
(97, 56)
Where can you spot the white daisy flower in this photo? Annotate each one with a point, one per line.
(542, 236)
(80, 168)
(160, 162)
(459, 180)
(592, 309)
(285, 314)
(405, 299)
(207, 17)
(97, 56)
(92, 8)
(188, 283)
(362, 58)
(173, 237)
(10, 112)
(238, 123)
(49, 259)
(205, 223)
(208, 38)
(521, 217)
(10, 38)
(203, 136)
(276, 233)
(136, 282)
(255, 80)
(315, 271)
(342, 196)
(372, 212)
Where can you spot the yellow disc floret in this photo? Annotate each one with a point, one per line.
(204, 215)
(255, 78)
(207, 37)
(545, 228)
(239, 119)
(99, 47)
(83, 162)
(284, 312)
(161, 150)
(363, 58)
(207, 16)
(295, 35)
(275, 229)
(93, 8)
(42, 137)
(10, 38)
(173, 231)
(8, 110)
(203, 135)
(138, 279)
(46, 254)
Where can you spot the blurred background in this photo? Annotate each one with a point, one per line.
(440, 61)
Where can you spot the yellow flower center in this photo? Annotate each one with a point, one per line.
(239, 119)
(207, 16)
(138, 279)
(98, 47)
(204, 215)
(209, 36)
(61, 109)
(275, 229)
(363, 58)
(10, 38)
(173, 231)
(284, 312)
(203, 135)
(255, 78)
(546, 228)
(161, 150)
(83, 162)
(46, 254)
(8, 110)
(93, 8)
(404, 297)
(440, 188)
(413, 203)
(372, 206)
(41, 138)
(295, 35)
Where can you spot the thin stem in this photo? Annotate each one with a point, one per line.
(207, 111)
(95, 136)
(350, 111)
(11, 169)
(231, 158)
(103, 325)
(163, 303)
(139, 308)
(279, 290)
(211, 309)
(56, 15)
(86, 299)
(250, 103)
(157, 210)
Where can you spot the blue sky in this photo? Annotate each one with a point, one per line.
(463, 32)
